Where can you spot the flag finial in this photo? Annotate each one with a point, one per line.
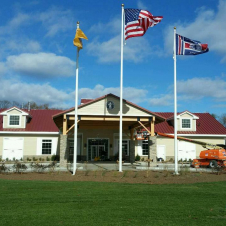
(77, 22)
(174, 27)
(122, 5)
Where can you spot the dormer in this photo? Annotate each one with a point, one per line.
(186, 121)
(15, 118)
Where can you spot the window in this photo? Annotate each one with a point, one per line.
(46, 147)
(186, 123)
(14, 120)
(125, 147)
(145, 148)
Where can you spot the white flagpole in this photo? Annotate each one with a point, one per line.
(175, 105)
(76, 112)
(121, 93)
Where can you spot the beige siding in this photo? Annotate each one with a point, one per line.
(99, 108)
(169, 144)
(6, 121)
(1, 145)
(30, 143)
(193, 122)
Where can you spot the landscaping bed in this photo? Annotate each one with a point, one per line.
(146, 176)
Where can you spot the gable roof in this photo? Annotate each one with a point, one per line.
(206, 124)
(23, 111)
(84, 101)
(181, 113)
(105, 96)
(41, 122)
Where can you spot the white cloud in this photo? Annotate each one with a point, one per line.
(47, 94)
(14, 90)
(15, 23)
(207, 27)
(162, 100)
(141, 5)
(55, 21)
(41, 64)
(113, 26)
(129, 93)
(193, 90)
(109, 51)
(23, 46)
(197, 88)
(3, 68)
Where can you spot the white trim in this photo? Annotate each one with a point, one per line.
(13, 108)
(54, 142)
(199, 135)
(19, 132)
(8, 123)
(190, 128)
(189, 113)
(111, 115)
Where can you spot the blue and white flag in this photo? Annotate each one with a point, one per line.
(186, 46)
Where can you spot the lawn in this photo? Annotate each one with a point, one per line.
(96, 203)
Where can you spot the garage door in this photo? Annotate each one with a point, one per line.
(186, 150)
(161, 152)
(13, 148)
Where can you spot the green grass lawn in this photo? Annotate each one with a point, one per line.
(91, 203)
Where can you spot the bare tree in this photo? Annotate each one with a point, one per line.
(222, 119)
(4, 104)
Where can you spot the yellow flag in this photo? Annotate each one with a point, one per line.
(77, 40)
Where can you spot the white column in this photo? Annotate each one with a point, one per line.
(76, 112)
(175, 105)
(121, 93)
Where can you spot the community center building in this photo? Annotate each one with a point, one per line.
(32, 133)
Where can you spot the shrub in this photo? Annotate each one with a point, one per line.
(19, 167)
(55, 158)
(137, 158)
(34, 159)
(47, 159)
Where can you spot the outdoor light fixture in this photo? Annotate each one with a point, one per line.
(85, 145)
(110, 145)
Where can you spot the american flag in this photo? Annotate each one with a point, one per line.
(186, 46)
(137, 22)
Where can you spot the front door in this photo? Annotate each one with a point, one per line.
(97, 151)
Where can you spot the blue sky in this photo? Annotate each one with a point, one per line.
(37, 57)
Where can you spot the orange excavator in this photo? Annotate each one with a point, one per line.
(215, 156)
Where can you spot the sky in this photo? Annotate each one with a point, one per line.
(38, 59)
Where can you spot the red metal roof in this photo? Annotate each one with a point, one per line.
(84, 101)
(206, 124)
(41, 121)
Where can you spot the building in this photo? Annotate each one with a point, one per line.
(26, 134)
(42, 133)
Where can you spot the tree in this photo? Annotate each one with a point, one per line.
(4, 104)
(222, 119)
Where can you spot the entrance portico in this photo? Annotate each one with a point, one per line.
(98, 128)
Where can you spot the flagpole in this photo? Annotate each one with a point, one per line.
(121, 93)
(76, 112)
(175, 105)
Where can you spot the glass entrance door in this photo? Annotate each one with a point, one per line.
(97, 151)
(97, 148)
